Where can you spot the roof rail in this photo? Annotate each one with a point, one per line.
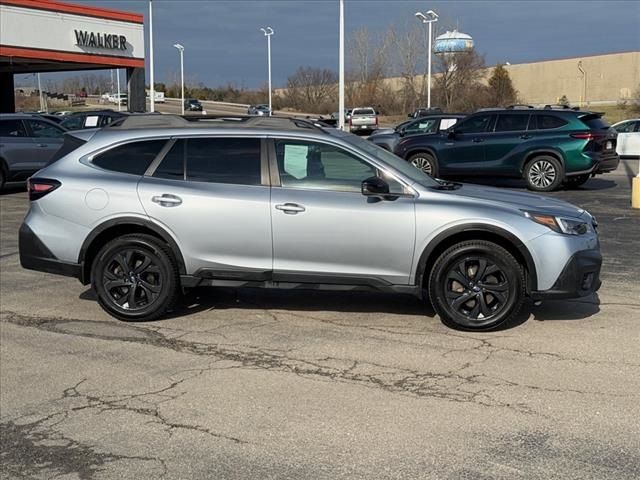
(154, 120)
(519, 106)
(557, 106)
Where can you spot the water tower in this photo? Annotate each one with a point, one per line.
(450, 43)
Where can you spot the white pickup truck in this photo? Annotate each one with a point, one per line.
(363, 119)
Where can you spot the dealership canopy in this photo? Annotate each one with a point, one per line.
(48, 36)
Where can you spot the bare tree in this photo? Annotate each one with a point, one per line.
(409, 48)
(457, 86)
(369, 61)
(312, 89)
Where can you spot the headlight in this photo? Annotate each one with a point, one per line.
(566, 225)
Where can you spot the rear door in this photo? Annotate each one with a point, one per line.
(502, 146)
(46, 138)
(212, 194)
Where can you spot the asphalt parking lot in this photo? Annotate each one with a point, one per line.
(258, 384)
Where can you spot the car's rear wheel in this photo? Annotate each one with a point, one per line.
(426, 162)
(544, 174)
(476, 285)
(136, 278)
(576, 180)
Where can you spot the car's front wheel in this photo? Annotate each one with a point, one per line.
(476, 285)
(544, 174)
(425, 162)
(136, 278)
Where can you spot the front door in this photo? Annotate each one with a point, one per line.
(325, 230)
(212, 194)
(46, 138)
(464, 152)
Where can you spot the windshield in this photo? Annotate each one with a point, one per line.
(363, 111)
(395, 162)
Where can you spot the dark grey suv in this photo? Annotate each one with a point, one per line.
(27, 143)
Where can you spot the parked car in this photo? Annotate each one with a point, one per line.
(363, 120)
(192, 105)
(119, 99)
(628, 144)
(289, 204)
(388, 138)
(260, 110)
(546, 147)
(27, 143)
(49, 116)
(424, 111)
(91, 119)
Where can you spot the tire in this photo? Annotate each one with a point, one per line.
(467, 298)
(426, 162)
(137, 269)
(2, 179)
(543, 174)
(576, 180)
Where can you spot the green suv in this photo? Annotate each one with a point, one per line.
(546, 147)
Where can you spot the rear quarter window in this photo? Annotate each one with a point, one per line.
(133, 158)
(364, 111)
(547, 122)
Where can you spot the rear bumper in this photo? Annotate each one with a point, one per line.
(579, 277)
(34, 255)
(607, 163)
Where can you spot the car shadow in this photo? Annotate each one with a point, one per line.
(205, 299)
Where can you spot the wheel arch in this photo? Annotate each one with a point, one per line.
(490, 233)
(415, 150)
(114, 228)
(530, 155)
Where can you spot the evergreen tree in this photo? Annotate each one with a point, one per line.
(501, 91)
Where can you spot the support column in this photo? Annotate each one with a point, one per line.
(135, 86)
(7, 93)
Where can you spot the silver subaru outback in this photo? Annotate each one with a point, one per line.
(154, 205)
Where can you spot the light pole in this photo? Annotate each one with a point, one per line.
(429, 18)
(181, 50)
(267, 33)
(341, 69)
(152, 87)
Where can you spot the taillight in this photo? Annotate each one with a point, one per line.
(39, 187)
(350, 122)
(587, 136)
(376, 120)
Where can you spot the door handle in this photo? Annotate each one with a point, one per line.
(478, 140)
(43, 145)
(167, 200)
(290, 208)
(525, 136)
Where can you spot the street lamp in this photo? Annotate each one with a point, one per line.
(429, 18)
(181, 50)
(341, 68)
(267, 33)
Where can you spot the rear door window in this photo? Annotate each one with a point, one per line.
(215, 160)
(132, 158)
(12, 128)
(40, 129)
(547, 122)
(73, 123)
(512, 122)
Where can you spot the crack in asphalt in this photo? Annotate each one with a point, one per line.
(453, 385)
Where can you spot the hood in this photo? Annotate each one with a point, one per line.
(520, 200)
(383, 131)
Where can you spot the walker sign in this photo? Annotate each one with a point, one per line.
(100, 40)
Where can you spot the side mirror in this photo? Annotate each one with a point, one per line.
(375, 187)
(402, 132)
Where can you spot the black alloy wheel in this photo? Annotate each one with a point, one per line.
(136, 278)
(476, 285)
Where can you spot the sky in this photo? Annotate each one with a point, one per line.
(224, 45)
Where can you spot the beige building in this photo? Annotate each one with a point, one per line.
(607, 79)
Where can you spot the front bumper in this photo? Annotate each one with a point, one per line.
(34, 255)
(579, 277)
